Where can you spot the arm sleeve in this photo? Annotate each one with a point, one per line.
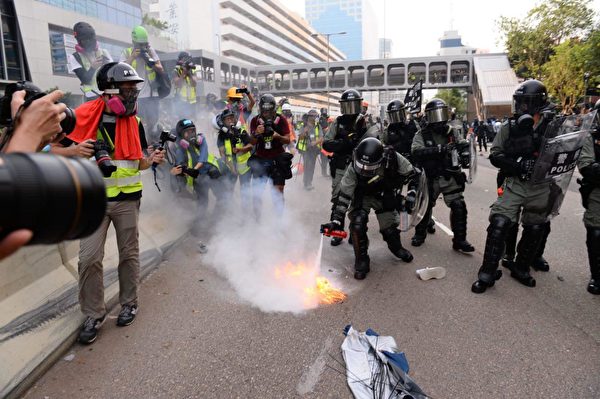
(143, 140)
(284, 126)
(405, 168)
(123, 57)
(587, 156)
(72, 63)
(107, 55)
(179, 156)
(498, 158)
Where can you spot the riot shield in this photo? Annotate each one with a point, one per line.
(558, 157)
(473, 159)
(408, 221)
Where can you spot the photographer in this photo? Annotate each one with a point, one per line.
(234, 147)
(197, 170)
(184, 81)
(33, 127)
(86, 59)
(269, 132)
(309, 145)
(110, 124)
(235, 103)
(145, 61)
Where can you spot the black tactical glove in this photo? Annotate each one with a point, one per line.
(334, 225)
(410, 201)
(592, 173)
(526, 168)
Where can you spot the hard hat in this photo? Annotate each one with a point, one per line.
(286, 107)
(139, 34)
(231, 93)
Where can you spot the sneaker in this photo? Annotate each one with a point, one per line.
(127, 315)
(431, 272)
(202, 248)
(89, 329)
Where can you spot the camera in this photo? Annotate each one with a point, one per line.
(145, 54)
(189, 64)
(101, 151)
(57, 198)
(32, 93)
(269, 128)
(165, 136)
(242, 91)
(191, 172)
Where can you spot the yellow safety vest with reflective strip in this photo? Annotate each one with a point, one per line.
(302, 144)
(187, 91)
(212, 160)
(241, 160)
(86, 64)
(127, 178)
(150, 72)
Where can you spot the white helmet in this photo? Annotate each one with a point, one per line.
(286, 107)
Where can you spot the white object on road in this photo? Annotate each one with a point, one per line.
(431, 272)
(69, 358)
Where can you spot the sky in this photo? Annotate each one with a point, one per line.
(417, 33)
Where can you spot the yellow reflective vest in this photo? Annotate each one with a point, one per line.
(303, 143)
(241, 160)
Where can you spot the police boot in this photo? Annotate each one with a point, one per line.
(391, 236)
(531, 237)
(360, 244)
(540, 264)
(494, 247)
(508, 259)
(593, 247)
(421, 229)
(458, 222)
(431, 227)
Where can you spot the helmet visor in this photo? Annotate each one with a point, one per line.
(350, 107)
(437, 115)
(526, 104)
(397, 116)
(366, 169)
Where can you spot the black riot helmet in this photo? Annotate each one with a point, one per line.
(267, 105)
(530, 97)
(85, 35)
(368, 157)
(396, 111)
(436, 111)
(226, 118)
(350, 102)
(184, 125)
(110, 75)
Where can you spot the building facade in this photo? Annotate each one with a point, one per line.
(451, 44)
(355, 17)
(40, 36)
(385, 48)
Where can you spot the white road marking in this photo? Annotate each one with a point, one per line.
(446, 229)
(310, 377)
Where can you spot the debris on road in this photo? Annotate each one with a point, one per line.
(431, 272)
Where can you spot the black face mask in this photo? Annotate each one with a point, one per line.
(525, 123)
(129, 100)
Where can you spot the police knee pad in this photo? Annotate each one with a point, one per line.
(359, 220)
(389, 232)
(458, 203)
(499, 221)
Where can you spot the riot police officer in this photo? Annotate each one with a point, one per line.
(343, 136)
(373, 182)
(440, 150)
(400, 131)
(589, 167)
(514, 151)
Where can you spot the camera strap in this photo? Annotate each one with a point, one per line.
(105, 136)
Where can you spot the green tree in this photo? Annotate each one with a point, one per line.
(155, 23)
(563, 74)
(454, 98)
(530, 41)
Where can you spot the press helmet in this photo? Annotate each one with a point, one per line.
(110, 75)
(139, 34)
(368, 157)
(267, 104)
(183, 125)
(396, 111)
(436, 111)
(530, 97)
(350, 102)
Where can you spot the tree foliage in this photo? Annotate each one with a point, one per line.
(563, 74)
(531, 41)
(454, 98)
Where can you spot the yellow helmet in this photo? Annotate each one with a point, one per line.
(231, 93)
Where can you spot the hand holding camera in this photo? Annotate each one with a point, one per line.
(84, 149)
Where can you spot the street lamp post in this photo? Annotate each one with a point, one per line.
(218, 42)
(327, 35)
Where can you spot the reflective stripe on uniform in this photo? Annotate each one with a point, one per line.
(122, 181)
(127, 164)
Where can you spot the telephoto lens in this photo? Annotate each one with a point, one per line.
(57, 198)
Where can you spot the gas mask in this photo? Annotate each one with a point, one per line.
(125, 106)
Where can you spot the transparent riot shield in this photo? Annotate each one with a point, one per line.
(410, 220)
(558, 157)
(473, 159)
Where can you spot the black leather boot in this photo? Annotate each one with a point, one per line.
(431, 226)
(539, 263)
(494, 247)
(421, 229)
(531, 237)
(593, 246)
(458, 222)
(391, 236)
(510, 249)
(360, 244)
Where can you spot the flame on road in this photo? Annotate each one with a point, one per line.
(316, 289)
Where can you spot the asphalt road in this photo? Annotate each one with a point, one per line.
(195, 338)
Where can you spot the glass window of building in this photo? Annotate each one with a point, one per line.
(11, 49)
(121, 12)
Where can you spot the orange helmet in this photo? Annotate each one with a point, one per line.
(231, 93)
